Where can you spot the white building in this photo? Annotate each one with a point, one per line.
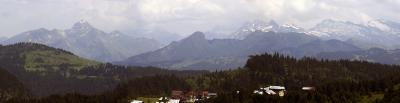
(173, 101)
(307, 88)
(260, 92)
(136, 101)
(271, 90)
(277, 87)
(163, 100)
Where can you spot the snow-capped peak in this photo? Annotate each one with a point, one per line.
(82, 25)
(341, 30)
(258, 25)
(291, 26)
(115, 34)
(82, 21)
(379, 24)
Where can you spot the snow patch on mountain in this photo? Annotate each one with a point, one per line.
(271, 26)
(379, 24)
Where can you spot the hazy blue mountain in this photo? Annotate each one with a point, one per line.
(190, 51)
(89, 42)
(3, 39)
(315, 47)
(196, 52)
(163, 36)
(372, 55)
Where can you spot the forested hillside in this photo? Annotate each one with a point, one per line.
(10, 87)
(45, 70)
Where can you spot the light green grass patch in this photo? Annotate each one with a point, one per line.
(371, 99)
(54, 60)
(147, 100)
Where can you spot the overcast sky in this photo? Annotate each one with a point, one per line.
(184, 16)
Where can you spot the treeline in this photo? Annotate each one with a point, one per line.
(335, 81)
(341, 81)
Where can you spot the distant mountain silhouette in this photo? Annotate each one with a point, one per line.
(196, 52)
(89, 42)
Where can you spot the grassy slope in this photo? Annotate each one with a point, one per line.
(39, 60)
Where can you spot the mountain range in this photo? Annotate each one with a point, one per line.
(89, 42)
(197, 52)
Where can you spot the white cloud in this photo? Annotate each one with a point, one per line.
(184, 16)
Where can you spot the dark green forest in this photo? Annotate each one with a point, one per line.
(32, 78)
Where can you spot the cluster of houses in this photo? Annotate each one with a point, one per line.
(277, 90)
(192, 97)
(183, 97)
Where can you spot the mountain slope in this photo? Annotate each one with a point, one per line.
(318, 46)
(3, 39)
(89, 42)
(163, 36)
(33, 57)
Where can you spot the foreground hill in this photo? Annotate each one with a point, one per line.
(86, 41)
(45, 70)
(196, 52)
(341, 81)
(335, 81)
(10, 86)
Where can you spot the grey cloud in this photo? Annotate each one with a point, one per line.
(184, 16)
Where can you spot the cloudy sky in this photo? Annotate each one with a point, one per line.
(184, 16)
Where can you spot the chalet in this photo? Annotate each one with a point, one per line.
(276, 87)
(204, 94)
(175, 94)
